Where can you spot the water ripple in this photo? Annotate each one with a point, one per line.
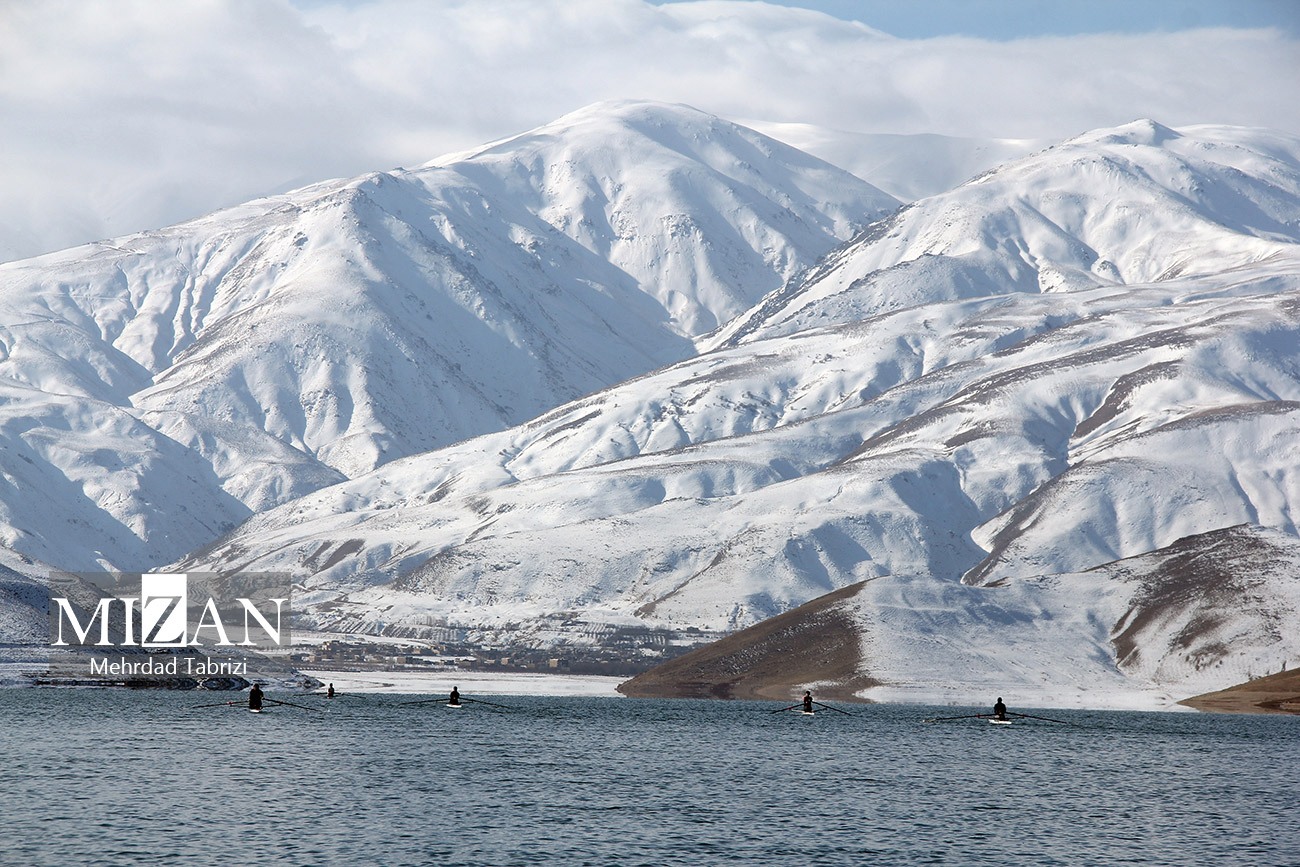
(121, 778)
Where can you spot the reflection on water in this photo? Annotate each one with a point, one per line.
(116, 777)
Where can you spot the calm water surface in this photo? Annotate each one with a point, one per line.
(117, 778)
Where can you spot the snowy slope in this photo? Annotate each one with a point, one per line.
(24, 602)
(706, 216)
(951, 445)
(729, 487)
(1154, 629)
(163, 388)
(1082, 357)
(1137, 204)
(1205, 611)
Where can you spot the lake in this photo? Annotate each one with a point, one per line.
(118, 777)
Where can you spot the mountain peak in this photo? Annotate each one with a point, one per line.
(614, 174)
(641, 130)
(1135, 204)
(638, 111)
(1142, 131)
(269, 349)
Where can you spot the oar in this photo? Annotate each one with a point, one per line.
(291, 704)
(488, 703)
(426, 701)
(783, 709)
(965, 716)
(1044, 718)
(828, 707)
(217, 704)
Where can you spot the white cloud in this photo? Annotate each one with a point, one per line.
(119, 115)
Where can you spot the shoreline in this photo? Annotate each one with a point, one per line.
(480, 682)
(1272, 694)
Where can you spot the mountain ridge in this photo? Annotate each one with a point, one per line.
(295, 341)
(1111, 207)
(1078, 358)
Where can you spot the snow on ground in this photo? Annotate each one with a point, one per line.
(470, 683)
(1079, 357)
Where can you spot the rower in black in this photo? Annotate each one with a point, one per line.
(999, 709)
(255, 698)
(455, 696)
(807, 702)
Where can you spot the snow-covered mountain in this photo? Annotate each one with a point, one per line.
(1138, 204)
(1077, 359)
(731, 486)
(163, 388)
(964, 395)
(1139, 632)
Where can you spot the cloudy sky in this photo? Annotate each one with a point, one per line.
(122, 115)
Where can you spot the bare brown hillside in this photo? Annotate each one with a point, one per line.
(1275, 693)
(775, 659)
